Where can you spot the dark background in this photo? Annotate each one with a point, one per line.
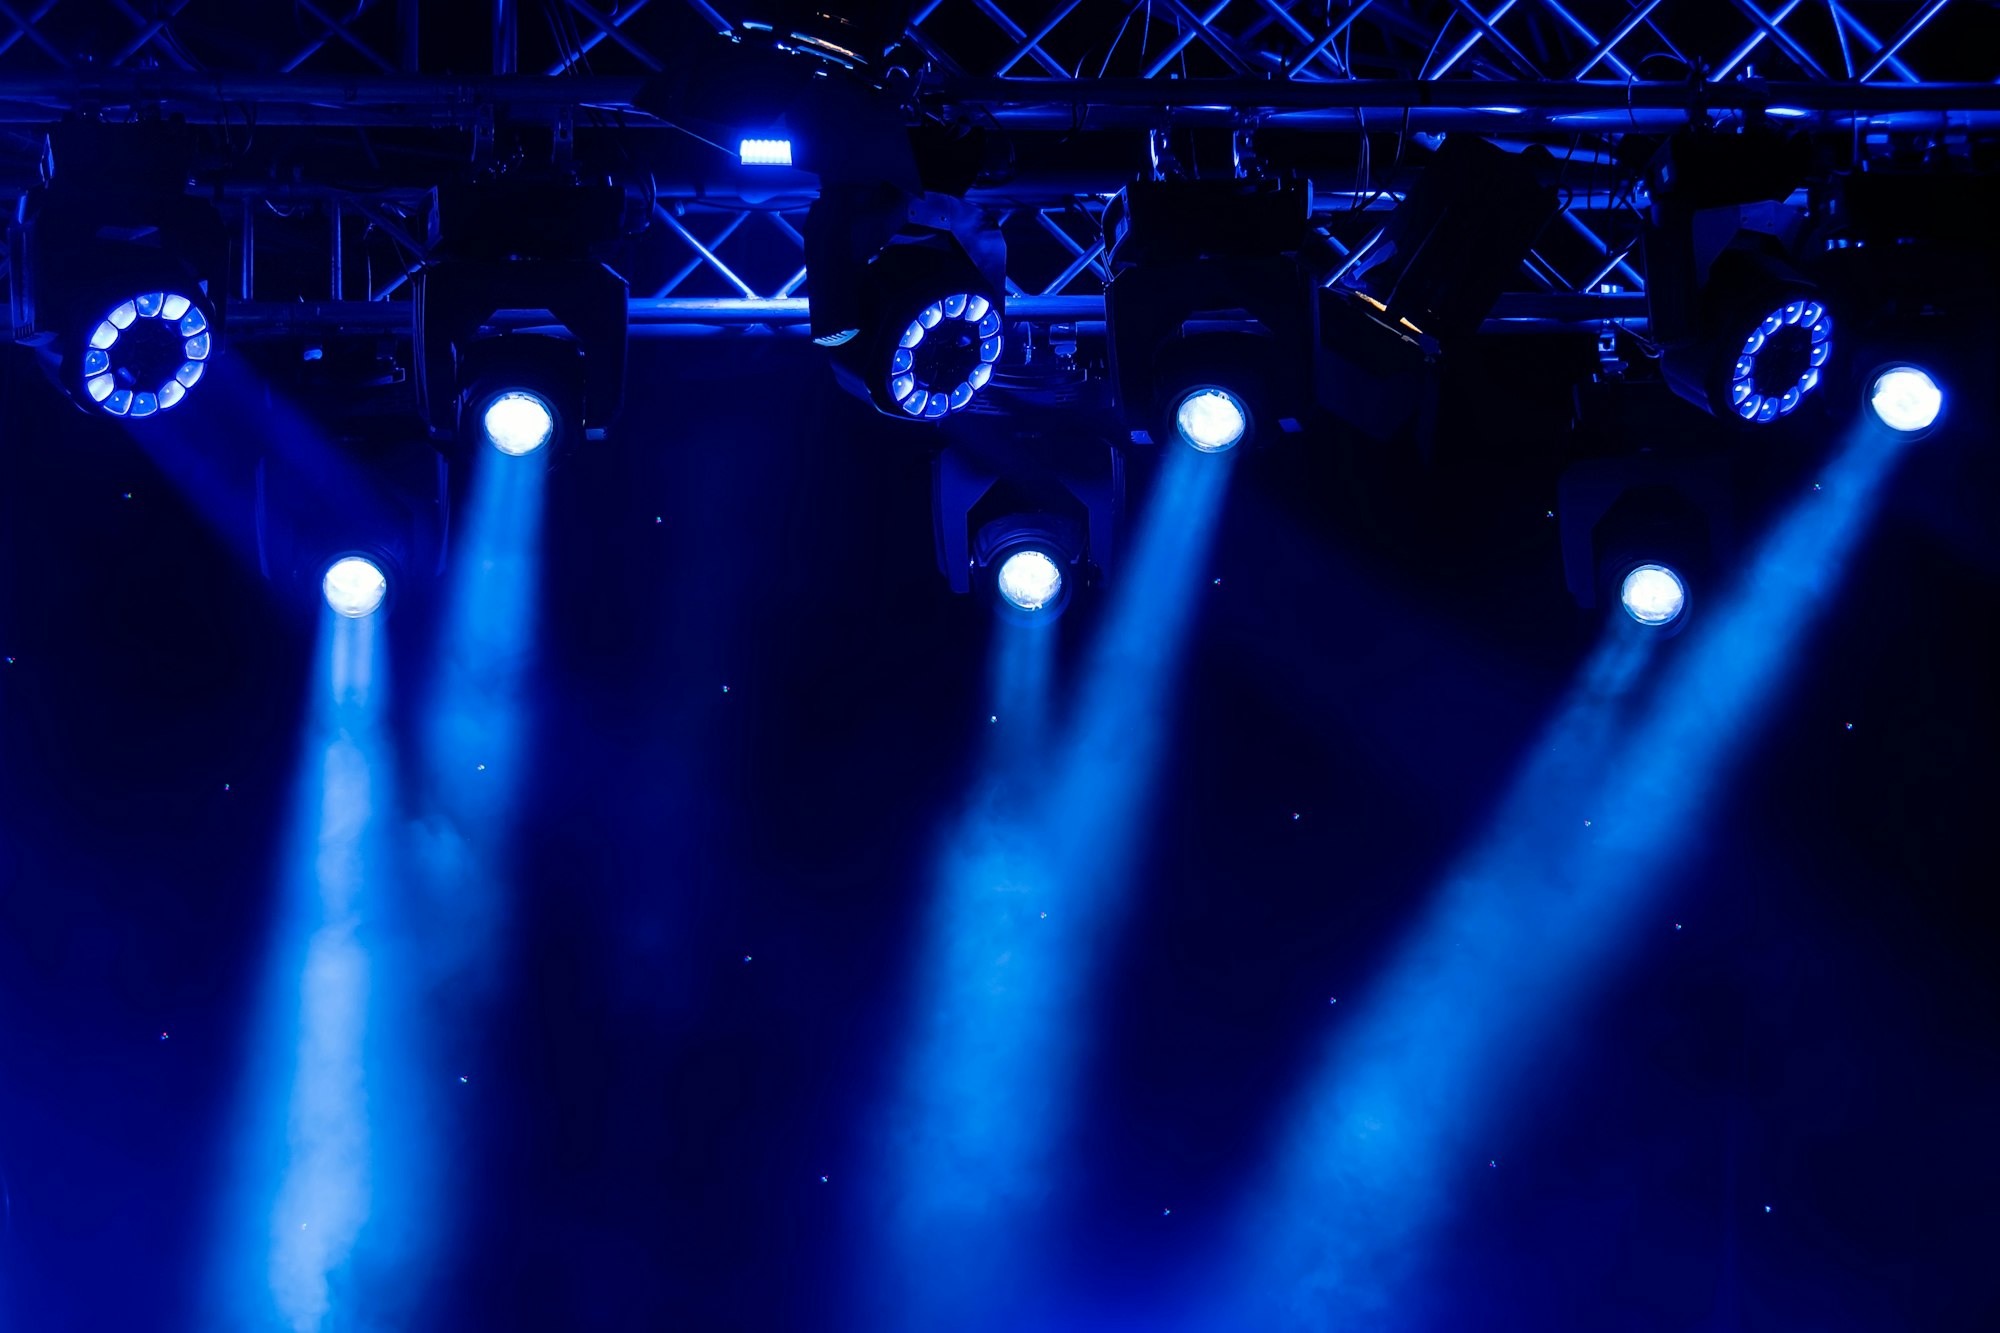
(647, 1120)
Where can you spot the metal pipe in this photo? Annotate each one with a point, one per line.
(1471, 40)
(1618, 34)
(281, 317)
(1576, 26)
(1901, 39)
(1034, 41)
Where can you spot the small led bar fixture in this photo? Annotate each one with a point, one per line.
(766, 152)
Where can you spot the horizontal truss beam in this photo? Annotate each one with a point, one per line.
(1515, 312)
(419, 100)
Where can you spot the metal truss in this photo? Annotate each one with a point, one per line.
(1382, 76)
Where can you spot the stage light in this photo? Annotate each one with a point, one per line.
(1905, 399)
(1779, 361)
(765, 152)
(109, 268)
(1026, 518)
(1653, 595)
(1212, 419)
(1644, 533)
(146, 353)
(1030, 579)
(354, 587)
(907, 295)
(518, 422)
(1206, 292)
(944, 356)
(1741, 333)
(522, 244)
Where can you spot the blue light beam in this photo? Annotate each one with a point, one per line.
(1445, 1050)
(480, 696)
(1032, 882)
(308, 1166)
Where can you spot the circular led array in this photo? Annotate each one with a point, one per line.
(1793, 321)
(934, 371)
(1030, 580)
(1653, 595)
(1905, 399)
(518, 422)
(146, 354)
(1212, 420)
(355, 586)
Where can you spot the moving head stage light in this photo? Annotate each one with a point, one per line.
(1026, 519)
(1644, 536)
(1908, 256)
(1742, 333)
(349, 529)
(1428, 278)
(908, 293)
(110, 262)
(508, 245)
(1210, 323)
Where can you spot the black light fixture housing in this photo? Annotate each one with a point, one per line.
(1392, 310)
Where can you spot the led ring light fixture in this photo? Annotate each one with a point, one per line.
(146, 354)
(1779, 363)
(945, 356)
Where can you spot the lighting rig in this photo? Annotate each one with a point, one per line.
(1332, 206)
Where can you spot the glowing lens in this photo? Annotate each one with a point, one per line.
(1906, 399)
(1029, 580)
(355, 587)
(1653, 595)
(1211, 420)
(518, 423)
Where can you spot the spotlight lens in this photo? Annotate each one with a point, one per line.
(1212, 420)
(355, 587)
(1030, 580)
(1906, 399)
(1653, 595)
(518, 423)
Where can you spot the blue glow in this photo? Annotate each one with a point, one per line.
(1030, 889)
(1743, 396)
(320, 1175)
(1030, 580)
(481, 700)
(1211, 420)
(145, 395)
(1431, 1060)
(518, 422)
(1653, 595)
(932, 402)
(354, 587)
(765, 152)
(1906, 399)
